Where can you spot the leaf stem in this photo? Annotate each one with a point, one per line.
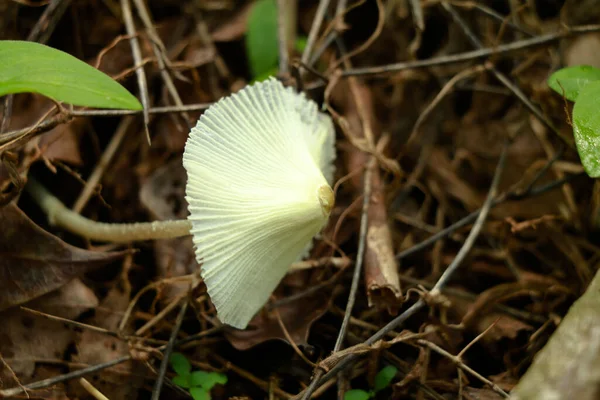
(58, 214)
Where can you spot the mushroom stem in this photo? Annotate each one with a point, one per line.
(58, 214)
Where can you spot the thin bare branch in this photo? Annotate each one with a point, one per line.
(314, 30)
(282, 36)
(137, 58)
(163, 62)
(474, 54)
(167, 353)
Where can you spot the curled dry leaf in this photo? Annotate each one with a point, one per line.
(235, 28)
(480, 145)
(58, 144)
(297, 317)
(25, 337)
(121, 381)
(508, 291)
(34, 262)
(196, 55)
(383, 283)
(381, 269)
(444, 173)
(504, 326)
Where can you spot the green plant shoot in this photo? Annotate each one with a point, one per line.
(198, 383)
(262, 48)
(383, 379)
(581, 84)
(261, 37)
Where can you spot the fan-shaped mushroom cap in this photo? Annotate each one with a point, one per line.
(259, 165)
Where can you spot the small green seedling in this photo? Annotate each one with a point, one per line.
(581, 84)
(198, 383)
(383, 379)
(262, 47)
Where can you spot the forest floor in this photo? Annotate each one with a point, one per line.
(445, 124)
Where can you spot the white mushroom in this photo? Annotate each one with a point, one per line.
(260, 165)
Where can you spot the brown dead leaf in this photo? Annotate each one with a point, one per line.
(121, 381)
(235, 28)
(445, 173)
(381, 268)
(12, 177)
(58, 144)
(196, 55)
(25, 338)
(480, 142)
(34, 262)
(506, 291)
(504, 326)
(297, 316)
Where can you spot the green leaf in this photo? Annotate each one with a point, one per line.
(199, 393)
(261, 37)
(384, 377)
(182, 381)
(586, 128)
(357, 394)
(34, 67)
(571, 80)
(207, 380)
(180, 364)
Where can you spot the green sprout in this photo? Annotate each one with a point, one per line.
(262, 48)
(581, 84)
(383, 379)
(198, 383)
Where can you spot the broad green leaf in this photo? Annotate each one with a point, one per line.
(586, 128)
(182, 381)
(180, 364)
(385, 377)
(199, 393)
(34, 262)
(207, 380)
(261, 37)
(571, 80)
(34, 67)
(357, 394)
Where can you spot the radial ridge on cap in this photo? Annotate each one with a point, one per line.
(257, 163)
